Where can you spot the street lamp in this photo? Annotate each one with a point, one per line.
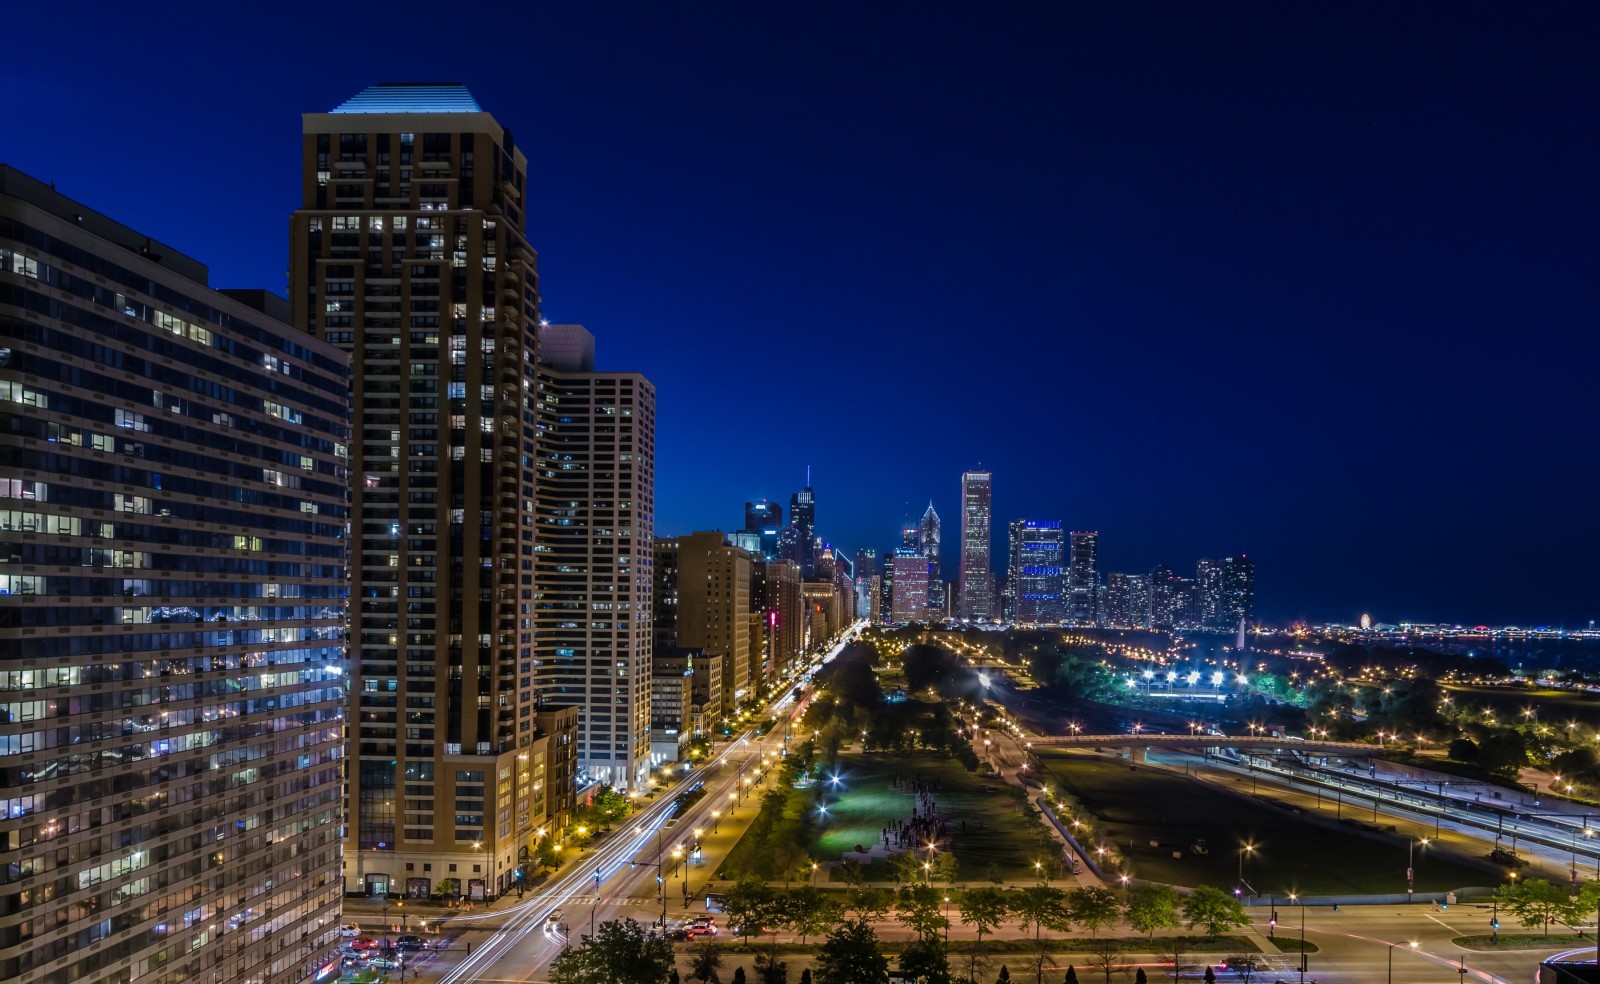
(1410, 854)
(1391, 958)
(1244, 849)
(1296, 899)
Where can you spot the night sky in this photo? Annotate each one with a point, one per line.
(1317, 285)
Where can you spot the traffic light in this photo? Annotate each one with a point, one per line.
(1494, 923)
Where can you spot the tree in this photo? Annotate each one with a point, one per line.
(707, 962)
(984, 909)
(1172, 947)
(850, 872)
(919, 910)
(771, 970)
(1211, 975)
(808, 910)
(738, 975)
(1005, 976)
(805, 976)
(870, 904)
(750, 904)
(1040, 906)
(926, 961)
(1093, 906)
(619, 951)
(1214, 909)
(850, 955)
(1537, 902)
(1464, 749)
(906, 867)
(672, 976)
(1139, 976)
(1153, 907)
(1072, 975)
(945, 868)
(1105, 955)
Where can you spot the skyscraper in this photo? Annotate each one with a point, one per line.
(1041, 579)
(1162, 597)
(1127, 601)
(1238, 592)
(765, 520)
(910, 586)
(173, 471)
(977, 580)
(594, 514)
(928, 543)
(713, 607)
(1208, 573)
(409, 252)
(1083, 578)
(803, 520)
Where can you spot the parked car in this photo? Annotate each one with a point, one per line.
(387, 963)
(349, 930)
(409, 943)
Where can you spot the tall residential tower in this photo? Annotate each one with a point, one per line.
(409, 252)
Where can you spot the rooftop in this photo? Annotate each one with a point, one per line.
(412, 97)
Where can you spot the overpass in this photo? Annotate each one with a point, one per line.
(1314, 746)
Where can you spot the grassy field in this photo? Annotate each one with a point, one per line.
(1553, 707)
(996, 834)
(1174, 810)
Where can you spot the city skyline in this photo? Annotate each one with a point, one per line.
(1352, 344)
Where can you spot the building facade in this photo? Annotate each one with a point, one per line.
(594, 519)
(173, 474)
(803, 521)
(409, 252)
(977, 580)
(1040, 578)
(1083, 578)
(1238, 604)
(712, 592)
(910, 602)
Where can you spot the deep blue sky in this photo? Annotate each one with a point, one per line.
(1320, 285)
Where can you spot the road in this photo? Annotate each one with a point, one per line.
(618, 878)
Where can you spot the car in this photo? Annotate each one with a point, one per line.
(553, 917)
(409, 943)
(678, 935)
(702, 921)
(365, 943)
(387, 963)
(696, 931)
(349, 931)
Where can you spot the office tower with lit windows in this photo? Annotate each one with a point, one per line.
(783, 614)
(765, 520)
(1127, 601)
(409, 252)
(1041, 580)
(173, 474)
(977, 580)
(1162, 597)
(1083, 578)
(594, 519)
(803, 521)
(910, 602)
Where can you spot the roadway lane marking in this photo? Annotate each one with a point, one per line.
(1445, 924)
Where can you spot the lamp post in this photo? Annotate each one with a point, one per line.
(1410, 859)
(1244, 850)
(1296, 899)
(1391, 958)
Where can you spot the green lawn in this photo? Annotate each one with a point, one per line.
(996, 833)
(1136, 807)
(1554, 708)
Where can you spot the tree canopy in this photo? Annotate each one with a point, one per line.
(619, 951)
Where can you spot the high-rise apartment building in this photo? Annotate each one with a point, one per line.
(784, 614)
(173, 472)
(1127, 601)
(977, 580)
(1208, 573)
(1238, 592)
(409, 252)
(1162, 596)
(803, 520)
(713, 606)
(594, 520)
(1041, 582)
(1083, 578)
(910, 602)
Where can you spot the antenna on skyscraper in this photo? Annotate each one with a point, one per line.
(808, 476)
